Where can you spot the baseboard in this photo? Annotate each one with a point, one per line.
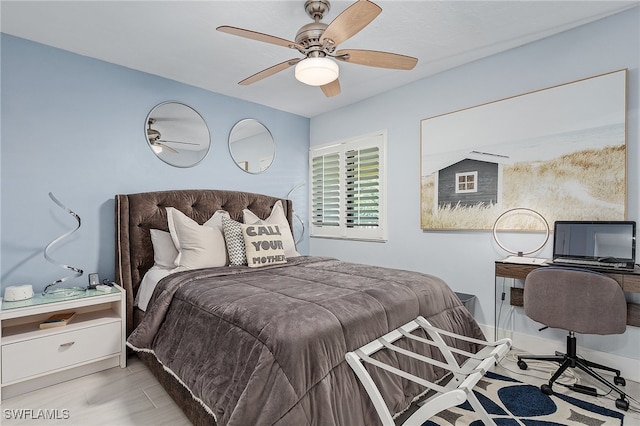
(536, 345)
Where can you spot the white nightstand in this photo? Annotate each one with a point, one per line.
(94, 340)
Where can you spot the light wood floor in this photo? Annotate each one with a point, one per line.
(132, 396)
(117, 396)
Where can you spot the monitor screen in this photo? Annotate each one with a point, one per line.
(594, 240)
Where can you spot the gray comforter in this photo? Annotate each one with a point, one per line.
(266, 346)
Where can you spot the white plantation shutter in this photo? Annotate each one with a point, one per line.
(325, 181)
(347, 189)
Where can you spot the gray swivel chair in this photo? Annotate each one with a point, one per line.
(579, 301)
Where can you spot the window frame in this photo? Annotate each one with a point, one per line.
(341, 230)
(466, 175)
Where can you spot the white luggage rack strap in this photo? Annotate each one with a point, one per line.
(458, 390)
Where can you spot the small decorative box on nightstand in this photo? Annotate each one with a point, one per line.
(92, 340)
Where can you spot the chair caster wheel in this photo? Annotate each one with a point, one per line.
(622, 404)
(620, 381)
(546, 389)
(522, 364)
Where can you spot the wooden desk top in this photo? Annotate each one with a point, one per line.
(630, 281)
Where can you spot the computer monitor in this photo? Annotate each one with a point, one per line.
(608, 241)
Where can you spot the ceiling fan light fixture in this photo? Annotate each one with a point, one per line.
(317, 71)
(156, 148)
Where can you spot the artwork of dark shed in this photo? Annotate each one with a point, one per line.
(468, 183)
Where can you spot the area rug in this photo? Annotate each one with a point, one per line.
(510, 402)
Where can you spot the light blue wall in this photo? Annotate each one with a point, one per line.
(466, 259)
(75, 126)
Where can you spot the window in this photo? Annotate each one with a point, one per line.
(348, 189)
(466, 182)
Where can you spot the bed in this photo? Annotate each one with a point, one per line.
(238, 345)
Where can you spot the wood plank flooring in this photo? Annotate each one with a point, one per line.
(118, 396)
(132, 396)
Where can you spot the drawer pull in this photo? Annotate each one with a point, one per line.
(67, 345)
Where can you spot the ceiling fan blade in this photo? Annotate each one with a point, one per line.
(167, 147)
(331, 89)
(374, 58)
(269, 71)
(351, 21)
(180, 142)
(254, 35)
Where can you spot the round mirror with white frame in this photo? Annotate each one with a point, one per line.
(177, 134)
(251, 146)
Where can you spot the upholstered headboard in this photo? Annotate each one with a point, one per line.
(136, 214)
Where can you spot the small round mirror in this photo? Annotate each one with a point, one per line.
(177, 134)
(251, 146)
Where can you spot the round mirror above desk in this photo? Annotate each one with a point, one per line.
(251, 146)
(177, 134)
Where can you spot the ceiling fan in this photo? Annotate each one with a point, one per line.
(155, 140)
(317, 41)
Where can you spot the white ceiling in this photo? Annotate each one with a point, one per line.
(178, 40)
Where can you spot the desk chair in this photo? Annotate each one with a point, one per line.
(579, 301)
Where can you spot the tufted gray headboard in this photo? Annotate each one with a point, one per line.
(136, 214)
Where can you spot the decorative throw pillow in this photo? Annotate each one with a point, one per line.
(277, 217)
(263, 245)
(199, 246)
(235, 241)
(164, 250)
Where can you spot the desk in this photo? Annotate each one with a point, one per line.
(630, 282)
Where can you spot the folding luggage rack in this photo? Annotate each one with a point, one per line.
(458, 390)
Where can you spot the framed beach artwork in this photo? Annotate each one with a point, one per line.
(560, 152)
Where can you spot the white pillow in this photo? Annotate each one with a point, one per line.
(164, 250)
(263, 245)
(149, 283)
(199, 246)
(277, 217)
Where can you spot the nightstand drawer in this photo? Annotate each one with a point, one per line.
(59, 350)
